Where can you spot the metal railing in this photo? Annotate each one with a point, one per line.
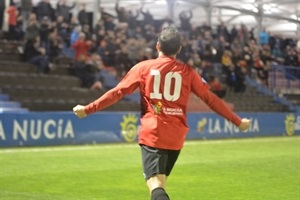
(284, 79)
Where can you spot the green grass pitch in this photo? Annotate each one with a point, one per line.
(245, 169)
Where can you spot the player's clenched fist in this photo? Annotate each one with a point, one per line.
(244, 124)
(79, 111)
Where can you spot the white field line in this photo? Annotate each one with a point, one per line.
(135, 145)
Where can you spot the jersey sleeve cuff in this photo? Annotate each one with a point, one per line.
(237, 120)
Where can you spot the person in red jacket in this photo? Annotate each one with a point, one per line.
(216, 87)
(81, 46)
(12, 20)
(165, 85)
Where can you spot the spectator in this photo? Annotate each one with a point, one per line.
(148, 18)
(109, 24)
(32, 30)
(233, 33)
(45, 30)
(240, 75)
(62, 27)
(73, 22)
(35, 54)
(186, 51)
(185, 24)
(226, 61)
(197, 62)
(99, 31)
(216, 87)
(205, 69)
(106, 52)
(19, 33)
(231, 78)
(63, 9)
(235, 45)
(133, 50)
(252, 34)
(121, 13)
(12, 20)
(222, 31)
(142, 46)
(87, 71)
(263, 37)
(132, 21)
(44, 9)
(55, 46)
(150, 36)
(2, 10)
(81, 47)
(75, 35)
(26, 9)
(263, 75)
(98, 66)
(83, 17)
(291, 57)
(81, 71)
(122, 61)
(243, 35)
(247, 57)
(258, 63)
(219, 45)
(137, 33)
(87, 31)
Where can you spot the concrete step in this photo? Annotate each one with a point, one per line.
(18, 110)
(4, 97)
(9, 104)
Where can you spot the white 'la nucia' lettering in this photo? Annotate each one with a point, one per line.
(35, 129)
(215, 126)
(2, 133)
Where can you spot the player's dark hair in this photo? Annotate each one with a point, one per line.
(170, 41)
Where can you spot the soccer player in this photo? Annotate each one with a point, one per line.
(165, 85)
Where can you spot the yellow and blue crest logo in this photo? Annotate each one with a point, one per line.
(129, 128)
(201, 125)
(290, 124)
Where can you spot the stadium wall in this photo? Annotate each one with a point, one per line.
(63, 128)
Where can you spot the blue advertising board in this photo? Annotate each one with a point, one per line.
(64, 128)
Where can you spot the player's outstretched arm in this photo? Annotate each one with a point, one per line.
(79, 111)
(245, 123)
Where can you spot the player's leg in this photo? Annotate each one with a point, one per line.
(160, 193)
(156, 185)
(156, 181)
(154, 166)
(157, 165)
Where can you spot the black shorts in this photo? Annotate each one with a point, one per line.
(157, 161)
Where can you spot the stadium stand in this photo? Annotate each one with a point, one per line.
(115, 47)
(57, 91)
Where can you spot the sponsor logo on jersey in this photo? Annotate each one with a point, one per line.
(157, 107)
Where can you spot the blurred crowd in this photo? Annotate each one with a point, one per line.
(119, 41)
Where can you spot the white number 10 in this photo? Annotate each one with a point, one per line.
(167, 86)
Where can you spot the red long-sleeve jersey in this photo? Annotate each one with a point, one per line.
(165, 85)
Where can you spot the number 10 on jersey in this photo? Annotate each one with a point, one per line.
(166, 93)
